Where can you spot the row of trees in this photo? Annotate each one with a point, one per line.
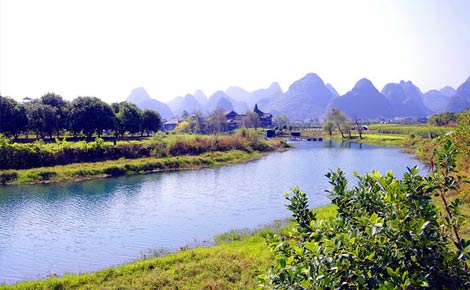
(51, 114)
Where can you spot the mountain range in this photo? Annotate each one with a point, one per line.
(310, 98)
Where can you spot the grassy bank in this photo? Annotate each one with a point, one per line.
(39, 154)
(63, 161)
(232, 264)
(80, 171)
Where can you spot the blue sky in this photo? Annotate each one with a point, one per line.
(106, 48)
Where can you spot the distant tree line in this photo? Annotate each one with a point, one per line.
(84, 116)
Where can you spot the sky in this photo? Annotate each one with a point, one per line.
(106, 48)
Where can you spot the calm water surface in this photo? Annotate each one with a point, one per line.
(87, 226)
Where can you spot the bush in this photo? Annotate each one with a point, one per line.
(387, 234)
(7, 176)
(114, 171)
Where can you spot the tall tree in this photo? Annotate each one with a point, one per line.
(197, 123)
(12, 117)
(251, 120)
(216, 121)
(358, 127)
(328, 126)
(90, 115)
(151, 121)
(35, 112)
(60, 110)
(129, 118)
(339, 119)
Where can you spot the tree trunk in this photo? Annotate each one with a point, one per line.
(341, 131)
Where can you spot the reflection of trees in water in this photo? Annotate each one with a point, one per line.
(99, 191)
(345, 144)
(328, 144)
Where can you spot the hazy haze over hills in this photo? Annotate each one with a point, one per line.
(187, 103)
(363, 101)
(306, 98)
(405, 99)
(461, 99)
(436, 101)
(309, 98)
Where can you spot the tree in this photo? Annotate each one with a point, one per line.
(35, 112)
(129, 118)
(339, 119)
(151, 121)
(251, 120)
(217, 122)
(281, 121)
(197, 123)
(444, 119)
(90, 115)
(328, 126)
(58, 112)
(12, 117)
(185, 114)
(358, 127)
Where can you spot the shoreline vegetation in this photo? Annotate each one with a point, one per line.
(64, 161)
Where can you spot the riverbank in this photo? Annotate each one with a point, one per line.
(46, 163)
(233, 263)
(85, 171)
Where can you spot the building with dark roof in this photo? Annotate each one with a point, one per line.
(266, 119)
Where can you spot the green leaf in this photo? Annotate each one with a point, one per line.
(305, 284)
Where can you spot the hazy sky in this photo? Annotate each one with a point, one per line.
(107, 48)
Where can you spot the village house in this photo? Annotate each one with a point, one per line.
(266, 119)
(233, 120)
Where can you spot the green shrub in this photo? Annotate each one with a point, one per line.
(7, 176)
(387, 234)
(114, 171)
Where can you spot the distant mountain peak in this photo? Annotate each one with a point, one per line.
(406, 99)
(447, 91)
(138, 95)
(200, 97)
(313, 77)
(142, 99)
(364, 83)
(274, 85)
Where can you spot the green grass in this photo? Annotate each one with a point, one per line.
(78, 171)
(232, 264)
(425, 131)
(375, 139)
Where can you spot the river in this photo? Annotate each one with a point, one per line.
(91, 225)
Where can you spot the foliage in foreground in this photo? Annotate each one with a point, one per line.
(387, 234)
